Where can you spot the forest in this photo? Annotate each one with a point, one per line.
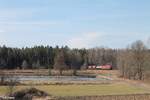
(131, 61)
(46, 56)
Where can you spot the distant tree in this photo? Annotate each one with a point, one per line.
(132, 62)
(36, 65)
(24, 64)
(139, 54)
(12, 82)
(3, 77)
(2, 64)
(85, 64)
(124, 63)
(60, 62)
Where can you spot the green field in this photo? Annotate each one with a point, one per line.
(84, 90)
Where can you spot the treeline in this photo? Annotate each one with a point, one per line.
(54, 57)
(132, 62)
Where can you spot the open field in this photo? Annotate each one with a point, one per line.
(84, 90)
(109, 97)
(113, 88)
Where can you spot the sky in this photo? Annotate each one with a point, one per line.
(76, 23)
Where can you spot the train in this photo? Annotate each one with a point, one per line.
(100, 67)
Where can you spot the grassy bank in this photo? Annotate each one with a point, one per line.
(83, 90)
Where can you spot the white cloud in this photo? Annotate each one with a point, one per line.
(148, 42)
(2, 38)
(10, 14)
(85, 40)
(22, 20)
(31, 22)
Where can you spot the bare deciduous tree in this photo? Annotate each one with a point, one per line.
(60, 62)
(12, 82)
(139, 54)
(132, 61)
(24, 64)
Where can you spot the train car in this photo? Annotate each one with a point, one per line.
(102, 67)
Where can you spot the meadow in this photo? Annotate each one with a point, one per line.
(84, 90)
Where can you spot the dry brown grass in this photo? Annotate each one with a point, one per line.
(109, 97)
(55, 72)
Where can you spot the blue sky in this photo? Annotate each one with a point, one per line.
(76, 23)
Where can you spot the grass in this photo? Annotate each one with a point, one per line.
(84, 90)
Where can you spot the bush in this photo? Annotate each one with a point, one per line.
(28, 94)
